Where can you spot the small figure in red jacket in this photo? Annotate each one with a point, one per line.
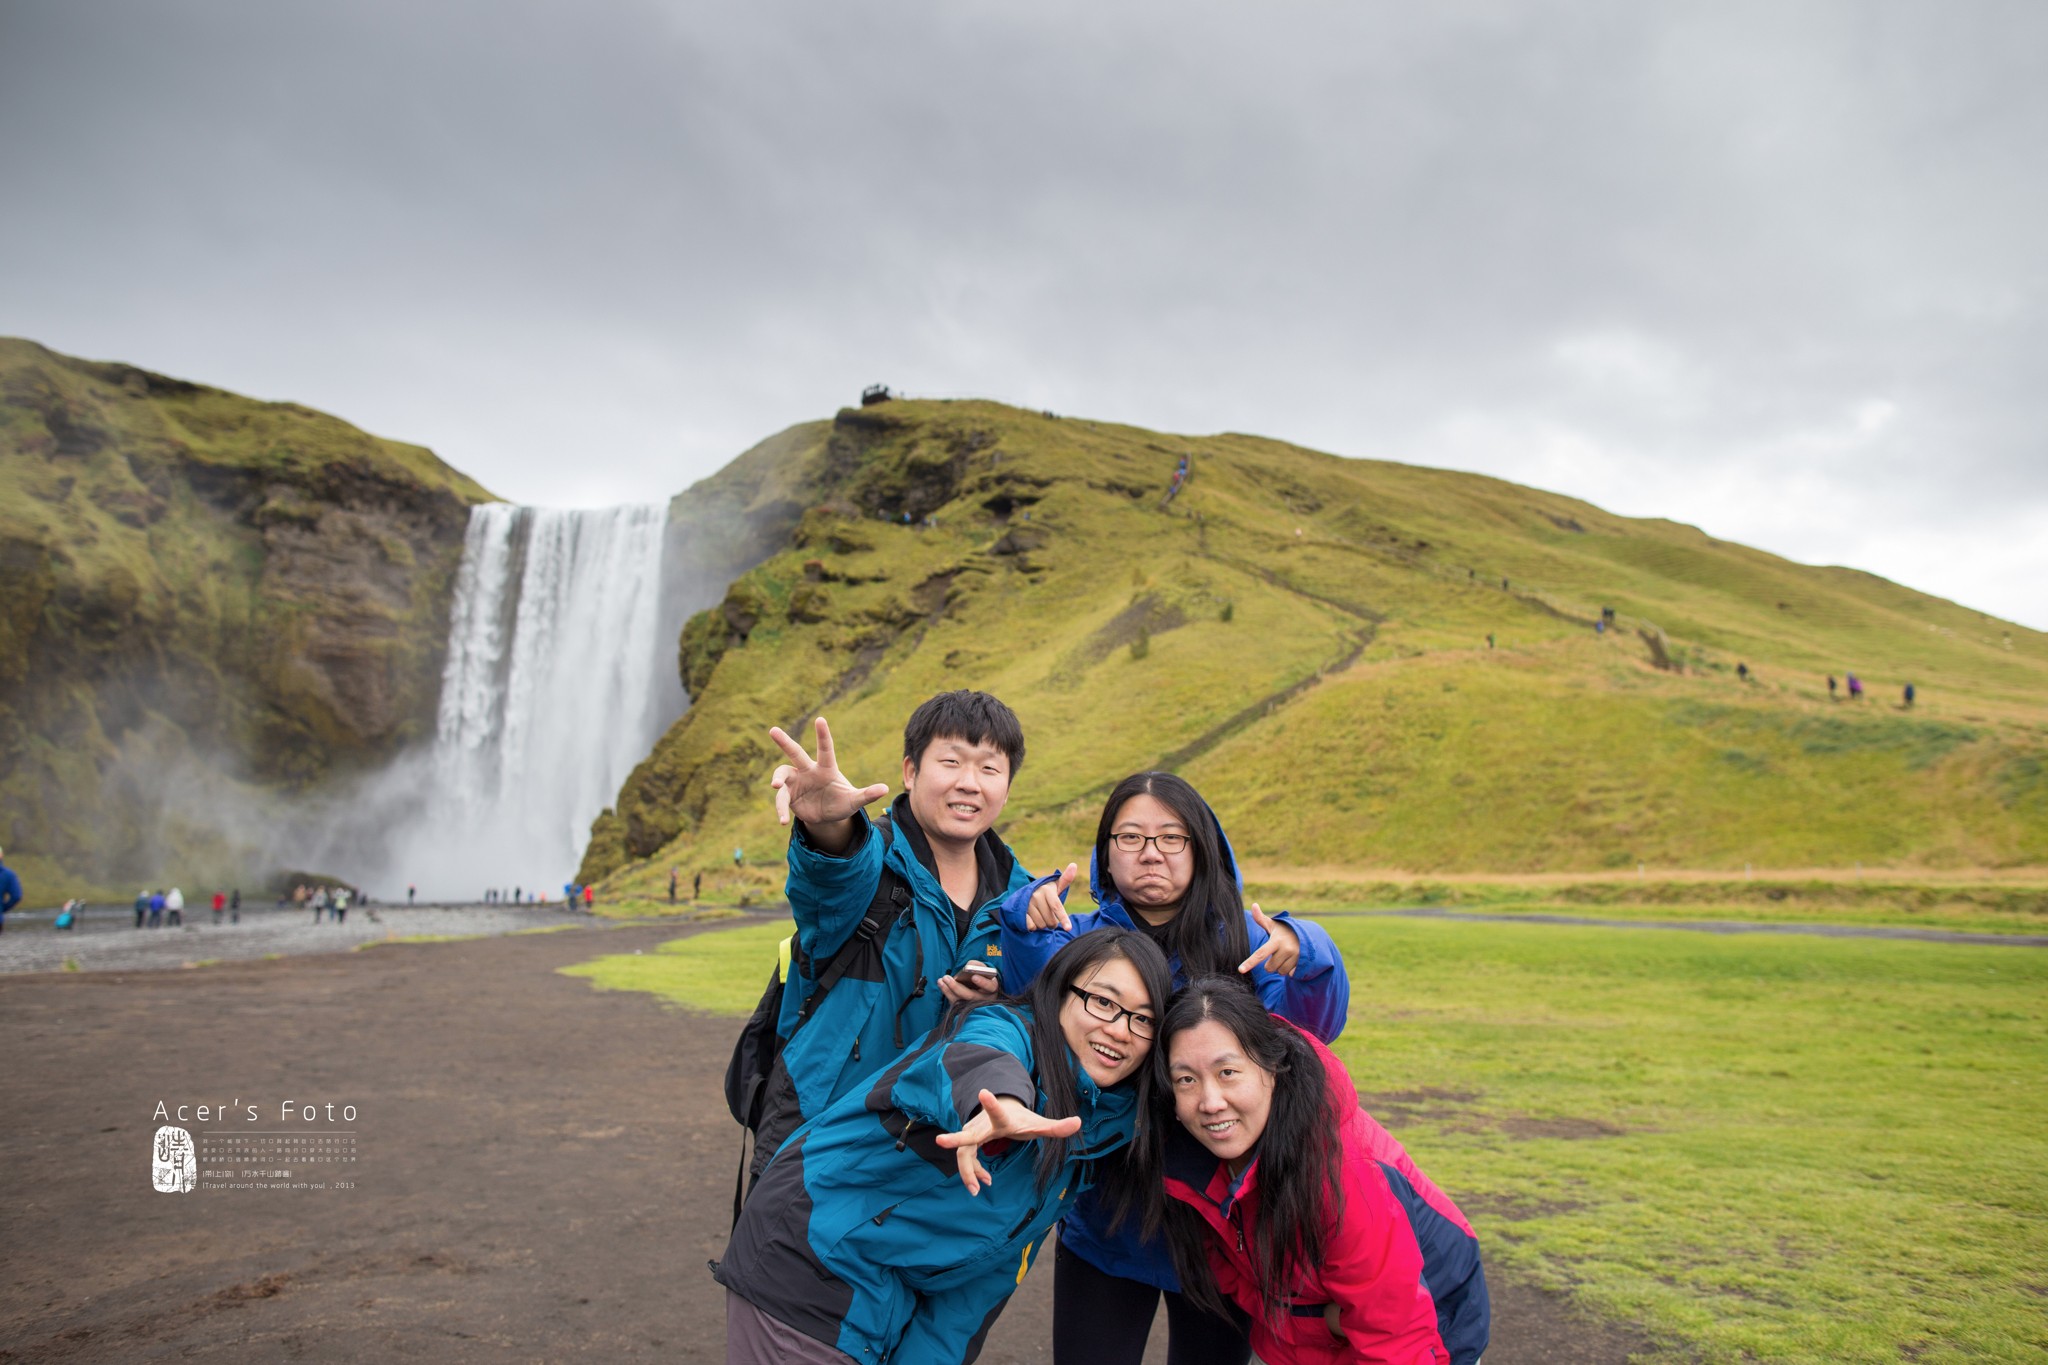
(1287, 1199)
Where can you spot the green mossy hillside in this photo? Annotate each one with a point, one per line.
(1365, 665)
(203, 598)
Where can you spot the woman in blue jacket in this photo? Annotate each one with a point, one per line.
(894, 1225)
(1161, 867)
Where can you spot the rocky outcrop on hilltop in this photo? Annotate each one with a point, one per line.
(203, 599)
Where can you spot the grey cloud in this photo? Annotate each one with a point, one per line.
(1659, 256)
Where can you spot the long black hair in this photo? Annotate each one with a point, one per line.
(1130, 1176)
(1208, 935)
(1300, 1153)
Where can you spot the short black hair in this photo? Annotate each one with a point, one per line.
(975, 717)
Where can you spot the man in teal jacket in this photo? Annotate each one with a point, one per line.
(960, 752)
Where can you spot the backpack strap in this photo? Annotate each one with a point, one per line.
(892, 898)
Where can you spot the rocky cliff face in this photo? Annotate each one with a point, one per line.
(203, 599)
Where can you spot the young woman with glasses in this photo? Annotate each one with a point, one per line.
(1161, 868)
(895, 1224)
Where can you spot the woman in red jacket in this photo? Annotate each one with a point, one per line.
(1285, 1198)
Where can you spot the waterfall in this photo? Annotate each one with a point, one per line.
(559, 678)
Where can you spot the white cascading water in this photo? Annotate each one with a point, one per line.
(558, 680)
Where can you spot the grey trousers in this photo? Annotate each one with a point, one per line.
(754, 1338)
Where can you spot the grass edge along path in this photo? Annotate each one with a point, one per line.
(1764, 1147)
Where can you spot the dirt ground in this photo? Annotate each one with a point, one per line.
(542, 1169)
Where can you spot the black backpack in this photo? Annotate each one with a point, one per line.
(757, 1054)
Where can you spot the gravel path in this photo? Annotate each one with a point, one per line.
(107, 939)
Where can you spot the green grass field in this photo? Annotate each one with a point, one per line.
(1757, 1148)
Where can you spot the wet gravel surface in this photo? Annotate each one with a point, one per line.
(107, 939)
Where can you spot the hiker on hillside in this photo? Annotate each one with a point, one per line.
(672, 886)
(10, 890)
(174, 907)
(1161, 866)
(1831, 687)
(1742, 672)
(904, 1216)
(1909, 696)
(697, 886)
(1855, 688)
(932, 861)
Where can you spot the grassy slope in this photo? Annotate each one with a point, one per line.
(161, 544)
(1314, 657)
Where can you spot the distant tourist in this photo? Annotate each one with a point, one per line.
(319, 902)
(1909, 696)
(1489, 639)
(739, 857)
(156, 909)
(220, 905)
(589, 897)
(174, 907)
(1855, 688)
(67, 917)
(235, 906)
(411, 891)
(697, 886)
(1742, 672)
(141, 907)
(340, 904)
(1831, 687)
(10, 889)
(672, 886)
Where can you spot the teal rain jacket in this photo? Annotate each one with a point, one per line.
(860, 1234)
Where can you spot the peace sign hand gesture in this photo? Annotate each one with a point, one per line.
(1000, 1116)
(815, 791)
(1282, 950)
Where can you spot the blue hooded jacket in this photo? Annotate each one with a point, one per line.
(1317, 997)
(860, 1234)
(10, 889)
(891, 995)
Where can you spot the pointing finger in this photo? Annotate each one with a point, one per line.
(1265, 951)
(1067, 877)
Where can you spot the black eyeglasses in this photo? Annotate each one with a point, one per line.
(1108, 1011)
(1169, 844)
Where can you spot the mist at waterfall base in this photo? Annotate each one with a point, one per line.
(560, 675)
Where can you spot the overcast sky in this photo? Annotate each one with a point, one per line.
(1776, 269)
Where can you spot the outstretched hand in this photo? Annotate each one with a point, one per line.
(814, 790)
(1000, 1116)
(1281, 951)
(1047, 910)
